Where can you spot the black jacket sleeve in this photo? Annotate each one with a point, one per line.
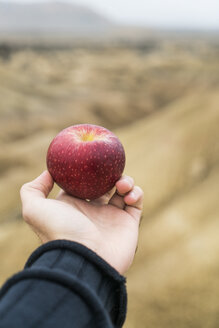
(63, 285)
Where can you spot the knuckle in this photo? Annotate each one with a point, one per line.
(25, 213)
(24, 187)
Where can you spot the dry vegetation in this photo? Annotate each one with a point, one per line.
(162, 101)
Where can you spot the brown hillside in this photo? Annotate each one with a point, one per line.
(163, 105)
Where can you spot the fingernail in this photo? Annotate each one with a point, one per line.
(43, 173)
(132, 194)
(129, 184)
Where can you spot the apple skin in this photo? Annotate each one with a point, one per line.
(86, 160)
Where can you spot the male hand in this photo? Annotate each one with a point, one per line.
(108, 225)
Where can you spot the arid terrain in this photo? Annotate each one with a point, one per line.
(161, 97)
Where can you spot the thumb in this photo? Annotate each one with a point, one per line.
(38, 188)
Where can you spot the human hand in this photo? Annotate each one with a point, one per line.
(108, 225)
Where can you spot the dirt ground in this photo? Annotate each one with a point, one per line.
(162, 102)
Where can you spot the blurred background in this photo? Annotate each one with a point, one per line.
(149, 71)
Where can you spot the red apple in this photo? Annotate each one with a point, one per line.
(86, 160)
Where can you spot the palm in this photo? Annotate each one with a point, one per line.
(108, 226)
(93, 225)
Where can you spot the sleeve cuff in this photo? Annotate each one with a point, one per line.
(92, 271)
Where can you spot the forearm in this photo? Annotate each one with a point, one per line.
(64, 284)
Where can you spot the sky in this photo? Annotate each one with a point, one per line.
(190, 14)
